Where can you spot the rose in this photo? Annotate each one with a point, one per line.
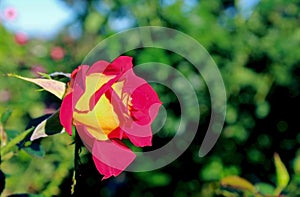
(107, 102)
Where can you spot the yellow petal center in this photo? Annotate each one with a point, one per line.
(102, 119)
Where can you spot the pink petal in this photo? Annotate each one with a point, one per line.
(140, 116)
(144, 109)
(111, 157)
(98, 67)
(66, 113)
(87, 139)
(78, 83)
(140, 135)
(119, 107)
(74, 72)
(120, 65)
(95, 97)
(118, 133)
(132, 82)
(143, 98)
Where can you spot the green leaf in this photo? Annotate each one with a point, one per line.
(50, 126)
(5, 116)
(45, 75)
(282, 175)
(11, 134)
(93, 22)
(55, 87)
(14, 142)
(156, 179)
(35, 148)
(265, 188)
(25, 195)
(238, 183)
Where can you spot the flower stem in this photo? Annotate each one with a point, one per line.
(76, 172)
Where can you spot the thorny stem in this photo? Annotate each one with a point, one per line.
(76, 172)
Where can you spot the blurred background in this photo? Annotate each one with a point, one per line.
(255, 44)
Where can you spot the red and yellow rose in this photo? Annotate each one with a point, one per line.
(106, 103)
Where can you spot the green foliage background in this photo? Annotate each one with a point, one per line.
(258, 56)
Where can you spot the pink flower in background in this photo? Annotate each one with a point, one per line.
(21, 38)
(38, 69)
(107, 102)
(5, 95)
(57, 53)
(10, 13)
(50, 109)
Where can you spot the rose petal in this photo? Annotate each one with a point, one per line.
(144, 96)
(132, 81)
(120, 65)
(78, 83)
(66, 113)
(98, 67)
(141, 117)
(74, 73)
(76, 89)
(87, 139)
(119, 107)
(111, 157)
(100, 121)
(139, 135)
(97, 95)
(144, 108)
(117, 133)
